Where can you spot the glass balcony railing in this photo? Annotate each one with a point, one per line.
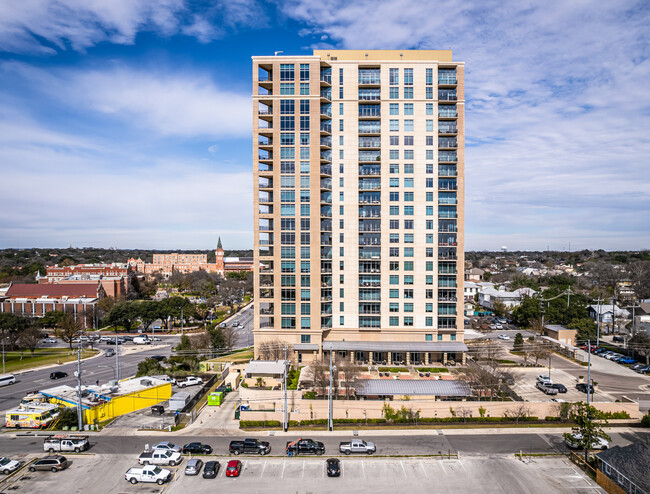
(369, 94)
(447, 128)
(447, 142)
(369, 294)
(325, 225)
(369, 155)
(369, 184)
(369, 211)
(369, 225)
(447, 239)
(325, 169)
(369, 110)
(447, 79)
(369, 170)
(326, 94)
(369, 239)
(265, 196)
(447, 254)
(369, 76)
(326, 141)
(446, 156)
(447, 111)
(369, 127)
(325, 252)
(447, 184)
(326, 155)
(326, 127)
(326, 211)
(326, 110)
(447, 95)
(369, 142)
(370, 253)
(369, 197)
(326, 75)
(326, 197)
(326, 183)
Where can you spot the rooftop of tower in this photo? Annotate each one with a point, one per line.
(381, 55)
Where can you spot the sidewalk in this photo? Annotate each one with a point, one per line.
(216, 420)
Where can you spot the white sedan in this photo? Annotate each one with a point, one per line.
(574, 441)
(504, 337)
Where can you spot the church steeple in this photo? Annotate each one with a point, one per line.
(219, 244)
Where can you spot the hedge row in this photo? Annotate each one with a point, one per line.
(616, 415)
(431, 369)
(294, 423)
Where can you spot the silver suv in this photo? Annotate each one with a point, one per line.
(53, 463)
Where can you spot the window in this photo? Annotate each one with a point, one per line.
(394, 140)
(393, 225)
(408, 251)
(304, 123)
(393, 77)
(304, 153)
(341, 125)
(287, 139)
(393, 168)
(408, 77)
(304, 166)
(288, 252)
(304, 88)
(304, 211)
(287, 196)
(394, 196)
(393, 154)
(453, 337)
(287, 88)
(439, 337)
(287, 72)
(408, 140)
(393, 252)
(429, 210)
(305, 323)
(408, 182)
(408, 125)
(394, 109)
(304, 71)
(287, 210)
(394, 210)
(408, 224)
(394, 181)
(287, 106)
(408, 321)
(429, 92)
(394, 126)
(393, 307)
(429, 108)
(408, 196)
(408, 307)
(429, 125)
(408, 293)
(429, 141)
(287, 224)
(393, 93)
(288, 323)
(287, 123)
(288, 309)
(287, 153)
(393, 293)
(305, 294)
(305, 338)
(393, 321)
(394, 265)
(408, 265)
(304, 225)
(429, 337)
(304, 181)
(408, 210)
(394, 279)
(305, 281)
(341, 110)
(408, 238)
(408, 168)
(304, 196)
(428, 307)
(304, 107)
(429, 154)
(408, 108)
(408, 93)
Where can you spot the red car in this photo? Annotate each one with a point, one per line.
(233, 469)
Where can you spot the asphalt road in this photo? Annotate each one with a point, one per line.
(427, 444)
(245, 334)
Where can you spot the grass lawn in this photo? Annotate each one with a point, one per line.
(42, 356)
(241, 356)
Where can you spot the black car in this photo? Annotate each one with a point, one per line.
(197, 448)
(159, 358)
(127, 338)
(584, 387)
(211, 469)
(333, 467)
(58, 375)
(561, 388)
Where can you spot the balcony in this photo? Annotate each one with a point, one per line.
(447, 112)
(326, 268)
(325, 322)
(265, 196)
(369, 294)
(266, 293)
(326, 197)
(369, 198)
(447, 254)
(325, 252)
(326, 155)
(447, 79)
(447, 171)
(447, 299)
(369, 321)
(369, 170)
(326, 142)
(265, 209)
(325, 225)
(267, 111)
(265, 225)
(326, 211)
(326, 281)
(369, 211)
(326, 239)
(326, 76)
(264, 141)
(265, 251)
(447, 156)
(447, 213)
(366, 127)
(265, 155)
(326, 295)
(326, 94)
(326, 309)
(447, 128)
(447, 184)
(326, 127)
(369, 252)
(370, 267)
(267, 322)
(368, 156)
(265, 127)
(371, 239)
(265, 183)
(369, 77)
(369, 111)
(447, 142)
(265, 167)
(447, 198)
(369, 280)
(370, 225)
(326, 111)
(370, 142)
(369, 94)
(447, 239)
(369, 184)
(446, 282)
(326, 169)
(326, 183)
(447, 95)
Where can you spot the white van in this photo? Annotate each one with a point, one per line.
(7, 379)
(141, 340)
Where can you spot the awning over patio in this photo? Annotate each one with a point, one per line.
(426, 387)
(396, 346)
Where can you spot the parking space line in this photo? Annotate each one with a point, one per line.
(426, 475)
(443, 468)
(263, 468)
(302, 473)
(403, 469)
(284, 464)
(363, 469)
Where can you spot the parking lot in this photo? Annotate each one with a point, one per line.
(105, 474)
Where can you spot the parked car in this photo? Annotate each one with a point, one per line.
(618, 339)
(504, 337)
(189, 381)
(233, 469)
(498, 326)
(49, 340)
(574, 441)
(637, 366)
(546, 388)
(160, 457)
(157, 410)
(53, 463)
(127, 338)
(158, 358)
(65, 442)
(148, 474)
(251, 446)
(197, 448)
(166, 445)
(7, 466)
(561, 388)
(333, 467)
(211, 469)
(357, 446)
(544, 379)
(584, 387)
(643, 369)
(305, 446)
(110, 353)
(193, 466)
(58, 375)
(626, 360)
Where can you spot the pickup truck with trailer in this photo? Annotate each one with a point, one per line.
(357, 446)
(250, 446)
(189, 381)
(305, 447)
(148, 474)
(160, 457)
(64, 442)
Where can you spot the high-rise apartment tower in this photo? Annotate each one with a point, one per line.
(359, 207)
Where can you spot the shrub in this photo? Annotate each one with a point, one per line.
(431, 369)
(68, 417)
(553, 419)
(309, 395)
(616, 415)
(392, 369)
(244, 385)
(645, 421)
(259, 423)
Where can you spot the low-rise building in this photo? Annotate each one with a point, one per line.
(627, 467)
(271, 371)
(561, 334)
(488, 297)
(35, 300)
(606, 313)
(474, 274)
(115, 277)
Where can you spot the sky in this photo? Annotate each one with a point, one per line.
(127, 123)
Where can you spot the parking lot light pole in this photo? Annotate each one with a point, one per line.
(285, 389)
(331, 420)
(80, 419)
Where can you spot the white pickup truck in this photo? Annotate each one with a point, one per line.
(189, 381)
(160, 457)
(357, 446)
(64, 442)
(148, 474)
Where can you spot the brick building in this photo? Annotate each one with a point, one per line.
(115, 278)
(35, 300)
(168, 264)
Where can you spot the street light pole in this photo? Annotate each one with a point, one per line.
(117, 360)
(286, 424)
(331, 421)
(598, 330)
(80, 419)
(3, 355)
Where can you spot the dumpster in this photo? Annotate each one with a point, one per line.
(178, 401)
(215, 399)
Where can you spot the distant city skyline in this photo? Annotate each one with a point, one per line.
(129, 124)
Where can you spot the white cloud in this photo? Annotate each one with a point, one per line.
(557, 109)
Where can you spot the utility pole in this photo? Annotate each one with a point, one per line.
(182, 331)
(598, 324)
(3, 355)
(613, 314)
(286, 423)
(588, 443)
(80, 419)
(117, 360)
(331, 421)
(568, 297)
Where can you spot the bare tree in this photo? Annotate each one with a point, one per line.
(68, 329)
(320, 371)
(463, 412)
(274, 350)
(229, 338)
(30, 338)
(539, 350)
(350, 372)
(520, 411)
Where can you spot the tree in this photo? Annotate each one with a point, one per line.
(518, 342)
(589, 426)
(260, 382)
(320, 371)
(51, 319)
(500, 308)
(273, 350)
(185, 344)
(350, 371)
(123, 314)
(539, 351)
(149, 367)
(29, 338)
(68, 329)
(640, 342)
(587, 329)
(640, 274)
(11, 326)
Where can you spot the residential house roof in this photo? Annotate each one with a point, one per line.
(27, 290)
(633, 461)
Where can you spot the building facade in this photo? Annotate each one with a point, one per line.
(359, 207)
(168, 264)
(115, 278)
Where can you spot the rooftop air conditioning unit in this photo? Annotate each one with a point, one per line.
(146, 382)
(112, 383)
(114, 389)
